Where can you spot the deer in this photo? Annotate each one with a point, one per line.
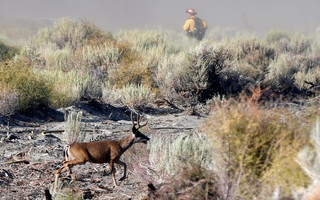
(104, 151)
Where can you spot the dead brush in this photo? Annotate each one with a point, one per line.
(250, 144)
(9, 102)
(192, 182)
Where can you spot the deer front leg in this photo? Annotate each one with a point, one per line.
(112, 172)
(124, 169)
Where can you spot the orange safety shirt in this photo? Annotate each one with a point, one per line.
(190, 24)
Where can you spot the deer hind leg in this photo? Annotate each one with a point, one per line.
(124, 169)
(112, 172)
(67, 166)
(70, 164)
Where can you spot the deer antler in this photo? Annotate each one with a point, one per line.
(133, 124)
(138, 121)
(140, 126)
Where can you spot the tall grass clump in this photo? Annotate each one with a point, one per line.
(170, 155)
(74, 127)
(34, 91)
(251, 145)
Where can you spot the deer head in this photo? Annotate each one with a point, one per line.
(138, 136)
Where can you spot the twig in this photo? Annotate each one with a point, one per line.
(191, 187)
(187, 128)
(126, 195)
(61, 131)
(171, 104)
(86, 130)
(16, 160)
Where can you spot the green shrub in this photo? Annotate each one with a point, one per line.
(69, 87)
(296, 44)
(294, 75)
(34, 91)
(72, 33)
(254, 52)
(308, 76)
(142, 41)
(7, 52)
(274, 36)
(132, 69)
(250, 67)
(101, 56)
(281, 73)
(197, 68)
(130, 95)
(66, 87)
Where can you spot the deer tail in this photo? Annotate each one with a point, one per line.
(66, 153)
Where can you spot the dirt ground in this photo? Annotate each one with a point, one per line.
(29, 158)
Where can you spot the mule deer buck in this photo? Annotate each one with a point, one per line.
(105, 151)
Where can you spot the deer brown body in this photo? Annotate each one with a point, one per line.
(105, 151)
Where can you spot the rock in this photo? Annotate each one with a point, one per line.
(12, 137)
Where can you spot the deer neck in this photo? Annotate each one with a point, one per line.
(127, 142)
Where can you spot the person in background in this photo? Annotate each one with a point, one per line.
(194, 26)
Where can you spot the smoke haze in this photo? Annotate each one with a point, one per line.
(256, 16)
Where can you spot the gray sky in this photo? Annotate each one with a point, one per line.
(253, 15)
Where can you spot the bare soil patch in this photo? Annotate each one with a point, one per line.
(28, 158)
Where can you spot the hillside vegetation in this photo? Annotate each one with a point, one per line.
(260, 96)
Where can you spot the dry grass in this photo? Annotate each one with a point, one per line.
(309, 159)
(251, 145)
(133, 96)
(74, 128)
(9, 101)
